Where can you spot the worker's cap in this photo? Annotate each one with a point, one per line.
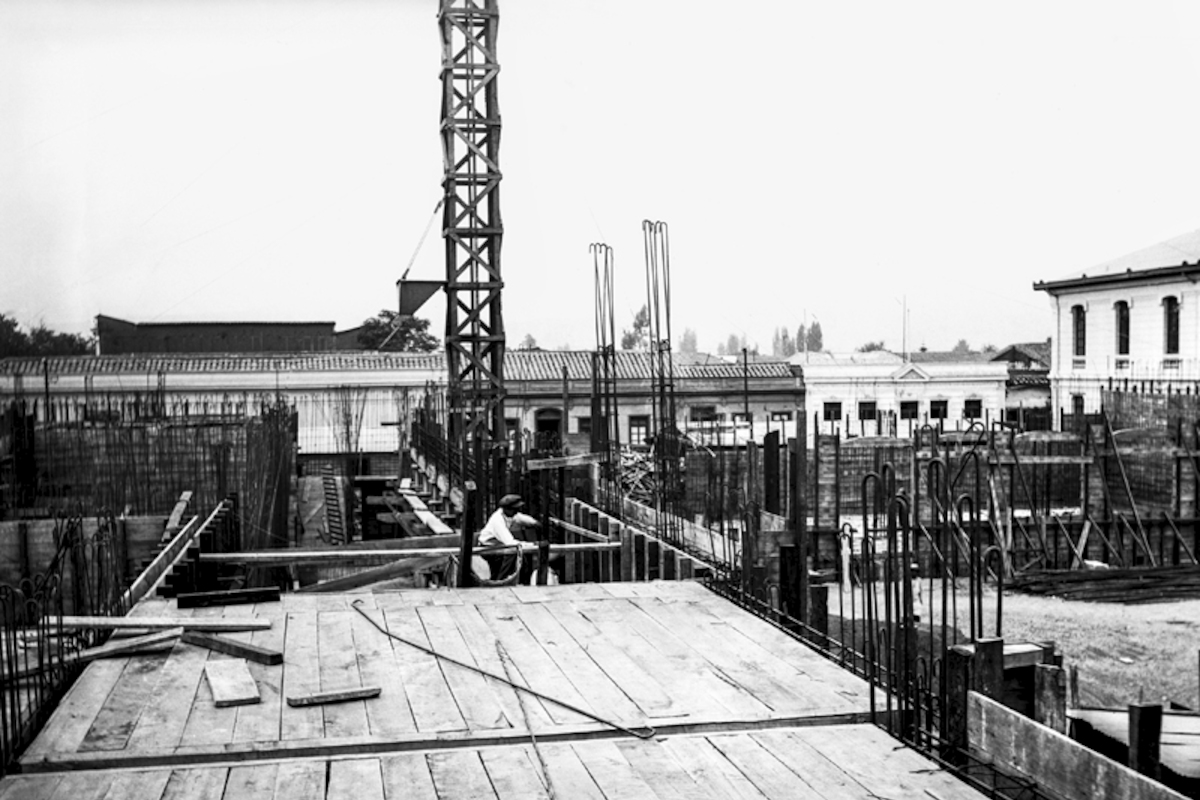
(512, 501)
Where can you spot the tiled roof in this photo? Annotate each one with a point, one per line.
(546, 365)
(519, 365)
(945, 357)
(336, 360)
(1029, 351)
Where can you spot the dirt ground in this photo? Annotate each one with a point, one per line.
(1123, 652)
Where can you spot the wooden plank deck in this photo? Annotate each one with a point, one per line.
(836, 762)
(739, 708)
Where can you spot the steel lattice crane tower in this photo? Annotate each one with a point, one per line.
(471, 225)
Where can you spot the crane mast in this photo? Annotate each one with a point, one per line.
(471, 224)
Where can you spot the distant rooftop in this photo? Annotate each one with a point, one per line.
(520, 365)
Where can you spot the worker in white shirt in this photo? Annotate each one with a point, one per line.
(507, 526)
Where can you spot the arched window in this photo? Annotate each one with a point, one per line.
(1079, 328)
(1122, 312)
(1171, 325)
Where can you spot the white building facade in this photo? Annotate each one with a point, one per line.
(882, 394)
(1130, 324)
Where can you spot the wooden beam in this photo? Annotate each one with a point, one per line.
(578, 460)
(226, 597)
(1050, 696)
(228, 625)
(340, 696)
(1145, 737)
(119, 648)
(250, 652)
(341, 556)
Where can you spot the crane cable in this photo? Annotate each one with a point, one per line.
(645, 733)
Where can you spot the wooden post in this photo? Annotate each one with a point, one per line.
(627, 571)
(1145, 735)
(468, 536)
(958, 683)
(543, 561)
(570, 573)
(987, 671)
(653, 559)
(639, 557)
(1050, 696)
(669, 555)
(687, 568)
(818, 613)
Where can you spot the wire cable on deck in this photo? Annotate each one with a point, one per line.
(504, 662)
(646, 733)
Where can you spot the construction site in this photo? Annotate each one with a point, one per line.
(216, 588)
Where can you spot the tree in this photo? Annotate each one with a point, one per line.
(687, 342)
(388, 332)
(871, 347)
(528, 343)
(40, 341)
(787, 345)
(639, 337)
(962, 348)
(802, 337)
(733, 345)
(990, 349)
(815, 342)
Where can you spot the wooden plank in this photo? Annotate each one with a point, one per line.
(116, 648)
(333, 696)
(515, 773)
(115, 721)
(460, 774)
(640, 685)
(339, 672)
(31, 787)
(138, 784)
(389, 714)
(536, 668)
(695, 687)
(568, 773)
(262, 722)
(479, 705)
(668, 779)
(709, 768)
(421, 676)
(301, 675)
(350, 556)
(250, 652)
(773, 682)
(355, 779)
(163, 721)
(163, 623)
(1050, 758)
(77, 786)
(226, 597)
(611, 772)
(481, 642)
(200, 783)
(601, 689)
(208, 724)
(300, 780)
(252, 782)
(769, 775)
(407, 776)
(558, 462)
(231, 683)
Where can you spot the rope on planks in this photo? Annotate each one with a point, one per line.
(645, 733)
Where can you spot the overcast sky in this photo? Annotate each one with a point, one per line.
(280, 159)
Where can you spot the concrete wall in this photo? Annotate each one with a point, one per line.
(140, 536)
